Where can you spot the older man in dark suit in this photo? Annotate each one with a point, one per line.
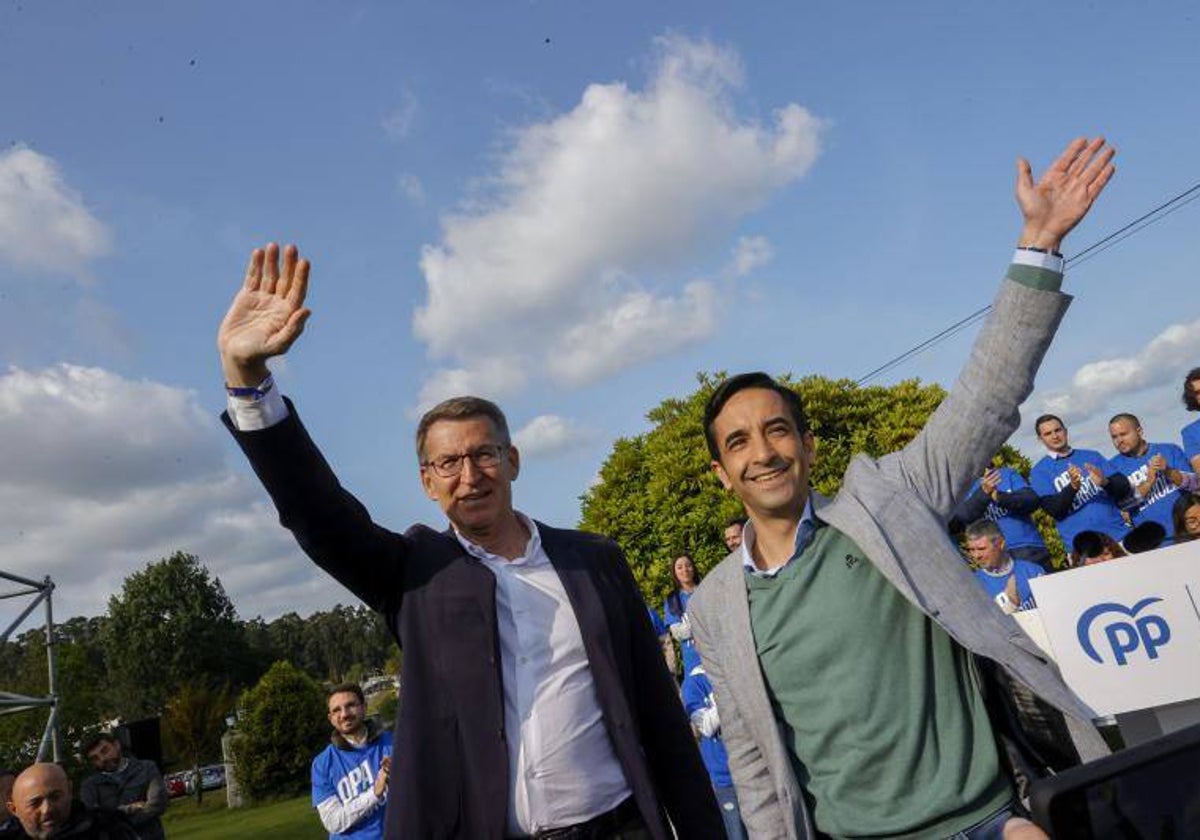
(536, 701)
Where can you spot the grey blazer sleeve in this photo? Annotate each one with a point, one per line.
(761, 811)
(981, 410)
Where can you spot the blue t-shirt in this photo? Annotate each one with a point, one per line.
(691, 657)
(660, 629)
(1191, 439)
(698, 694)
(1018, 528)
(1024, 571)
(348, 773)
(1156, 505)
(1092, 509)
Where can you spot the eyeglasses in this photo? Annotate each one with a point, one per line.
(483, 457)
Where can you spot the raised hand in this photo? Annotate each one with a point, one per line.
(1096, 475)
(266, 316)
(990, 481)
(1076, 476)
(1056, 202)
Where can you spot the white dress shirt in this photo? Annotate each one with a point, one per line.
(562, 767)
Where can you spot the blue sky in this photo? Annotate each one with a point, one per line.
(570, 207)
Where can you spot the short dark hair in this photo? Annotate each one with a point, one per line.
(725, 391)
(461, 408)
(1125, 415)
(347, 688)
(1046, 418)
(7, 771)
(740, 521)
(983, 528)
(96, 740)
(1189, 399)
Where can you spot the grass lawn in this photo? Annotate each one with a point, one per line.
(290, 818)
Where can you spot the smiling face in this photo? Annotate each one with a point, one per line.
(1126, 436)
(346, 713)
(478, 499)
(685, 571)
(41, 800)
(762, 456)
(733, 536)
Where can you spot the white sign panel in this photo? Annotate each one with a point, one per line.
(1126, 633)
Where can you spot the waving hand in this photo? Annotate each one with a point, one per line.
(267, 314)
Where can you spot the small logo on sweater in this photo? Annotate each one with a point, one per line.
(852, 561)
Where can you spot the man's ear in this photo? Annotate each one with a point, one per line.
(514, 462)
(427, 483)
(810, 446)
(721, 474)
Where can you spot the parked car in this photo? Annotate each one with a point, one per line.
(212, 776)
(176, 784)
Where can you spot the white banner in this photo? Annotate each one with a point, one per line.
(1126, 633)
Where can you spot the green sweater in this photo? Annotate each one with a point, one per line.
(879, 708)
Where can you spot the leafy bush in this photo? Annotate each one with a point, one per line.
(282, 726)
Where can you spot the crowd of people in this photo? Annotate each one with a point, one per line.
(1141, 497)
(835, 666)
(123, 800)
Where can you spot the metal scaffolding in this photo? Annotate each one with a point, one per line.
(11, 703)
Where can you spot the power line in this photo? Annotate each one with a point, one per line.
(1095, 249)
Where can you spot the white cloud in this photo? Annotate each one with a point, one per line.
(103, 474)
(639, 326)
(1104, 386)
(412, 188)
(548, 434)
(750, 253)
(398, 124)
(627, 185)
(492, 378)
(44, 225)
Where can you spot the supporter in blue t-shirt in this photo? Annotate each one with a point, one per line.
(1005, 580)
(1191, 432)
(675, 609)
(1076, 487)
(1003, 496)
(1155, 471)
(706, 722)
(349, 777)
(663, 634)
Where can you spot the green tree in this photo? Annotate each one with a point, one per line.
(171, 623)
(281, 726)
(81, 684)
(657, 496)
(193, 722)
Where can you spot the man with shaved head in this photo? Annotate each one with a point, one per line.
(41, 801)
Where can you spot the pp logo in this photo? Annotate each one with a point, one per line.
(1150, 632)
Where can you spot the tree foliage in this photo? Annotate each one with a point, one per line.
(171, 623)
(281, 726)
(193, 722)
(657, 495)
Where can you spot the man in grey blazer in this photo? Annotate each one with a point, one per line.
(839, 636)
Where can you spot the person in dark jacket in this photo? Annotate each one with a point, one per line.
(536, 700)
(41, 801)
(130, 786)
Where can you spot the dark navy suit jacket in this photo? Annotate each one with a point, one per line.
(450, 765)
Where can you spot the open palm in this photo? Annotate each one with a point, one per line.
(1055, 203)
(267, 314)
